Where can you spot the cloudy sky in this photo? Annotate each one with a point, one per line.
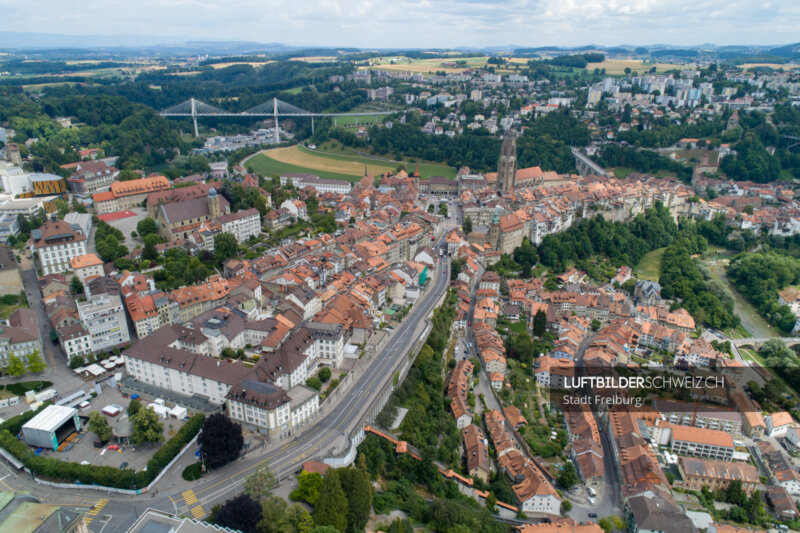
(418, 23)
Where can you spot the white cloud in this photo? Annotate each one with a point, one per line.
(420, 23)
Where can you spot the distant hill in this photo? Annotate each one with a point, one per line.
(53, 45)
(790, 51)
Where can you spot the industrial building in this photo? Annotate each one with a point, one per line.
(51, 427)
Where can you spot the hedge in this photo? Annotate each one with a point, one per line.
(170, 449)
(192, 472)
(21, 388)
(107, 476)
(14, 424)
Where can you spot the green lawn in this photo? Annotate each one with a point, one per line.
(716, 253)
(518, 327)
(650, 265)
(739, 332)
(622, 172)
(6, 310)
(342, 153)
(357, 120)
(261, 164)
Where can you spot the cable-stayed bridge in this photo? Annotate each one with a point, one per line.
(274, 108)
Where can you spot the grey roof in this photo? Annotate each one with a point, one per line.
(8, 260)
(228, 324)
(659, 514)
(304, 294)
(153, 521)
(224, 219)
(104, 285)
(189, 209)
(123, 428)
(325, 331)
(154, 349)
(254, 392)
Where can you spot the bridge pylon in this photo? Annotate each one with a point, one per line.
(194, 117)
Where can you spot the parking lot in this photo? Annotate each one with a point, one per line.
(82, 448)
(463, 349)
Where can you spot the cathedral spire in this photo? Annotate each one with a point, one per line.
(507, 164)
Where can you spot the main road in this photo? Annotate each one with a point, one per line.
(328, 436)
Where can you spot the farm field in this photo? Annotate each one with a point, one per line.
(217, 66)
(612, 66)
(36, 87)
(617, 66)
(186, 73)
(266, 166)
(775, 66)
(314, 59)
(425, 65)
(342, 153)
(349, 167)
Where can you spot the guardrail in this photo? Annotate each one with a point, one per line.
(357, 435)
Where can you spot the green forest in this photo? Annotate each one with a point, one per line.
(545, 143)
(620, 243)
(759, 276)
(681, 277)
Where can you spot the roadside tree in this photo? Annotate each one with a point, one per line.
(221, 440)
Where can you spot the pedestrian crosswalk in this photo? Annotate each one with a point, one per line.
(95, 510)
(191, 499)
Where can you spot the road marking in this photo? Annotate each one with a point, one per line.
(198, 512)
(105, 524)
(98, 507)
(274, 457)
(189, 497)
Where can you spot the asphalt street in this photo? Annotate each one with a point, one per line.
(609, 497)
(328, 436)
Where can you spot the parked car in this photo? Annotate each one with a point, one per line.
(124, 465)
(592, 515)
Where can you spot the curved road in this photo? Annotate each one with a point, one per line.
(332, 430)
(327, 436)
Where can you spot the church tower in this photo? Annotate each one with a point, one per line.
(214, 209)
(494, 230)
(507, 165)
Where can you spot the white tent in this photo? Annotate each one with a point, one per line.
(161, 410)
(178, 412)
(95, 369)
